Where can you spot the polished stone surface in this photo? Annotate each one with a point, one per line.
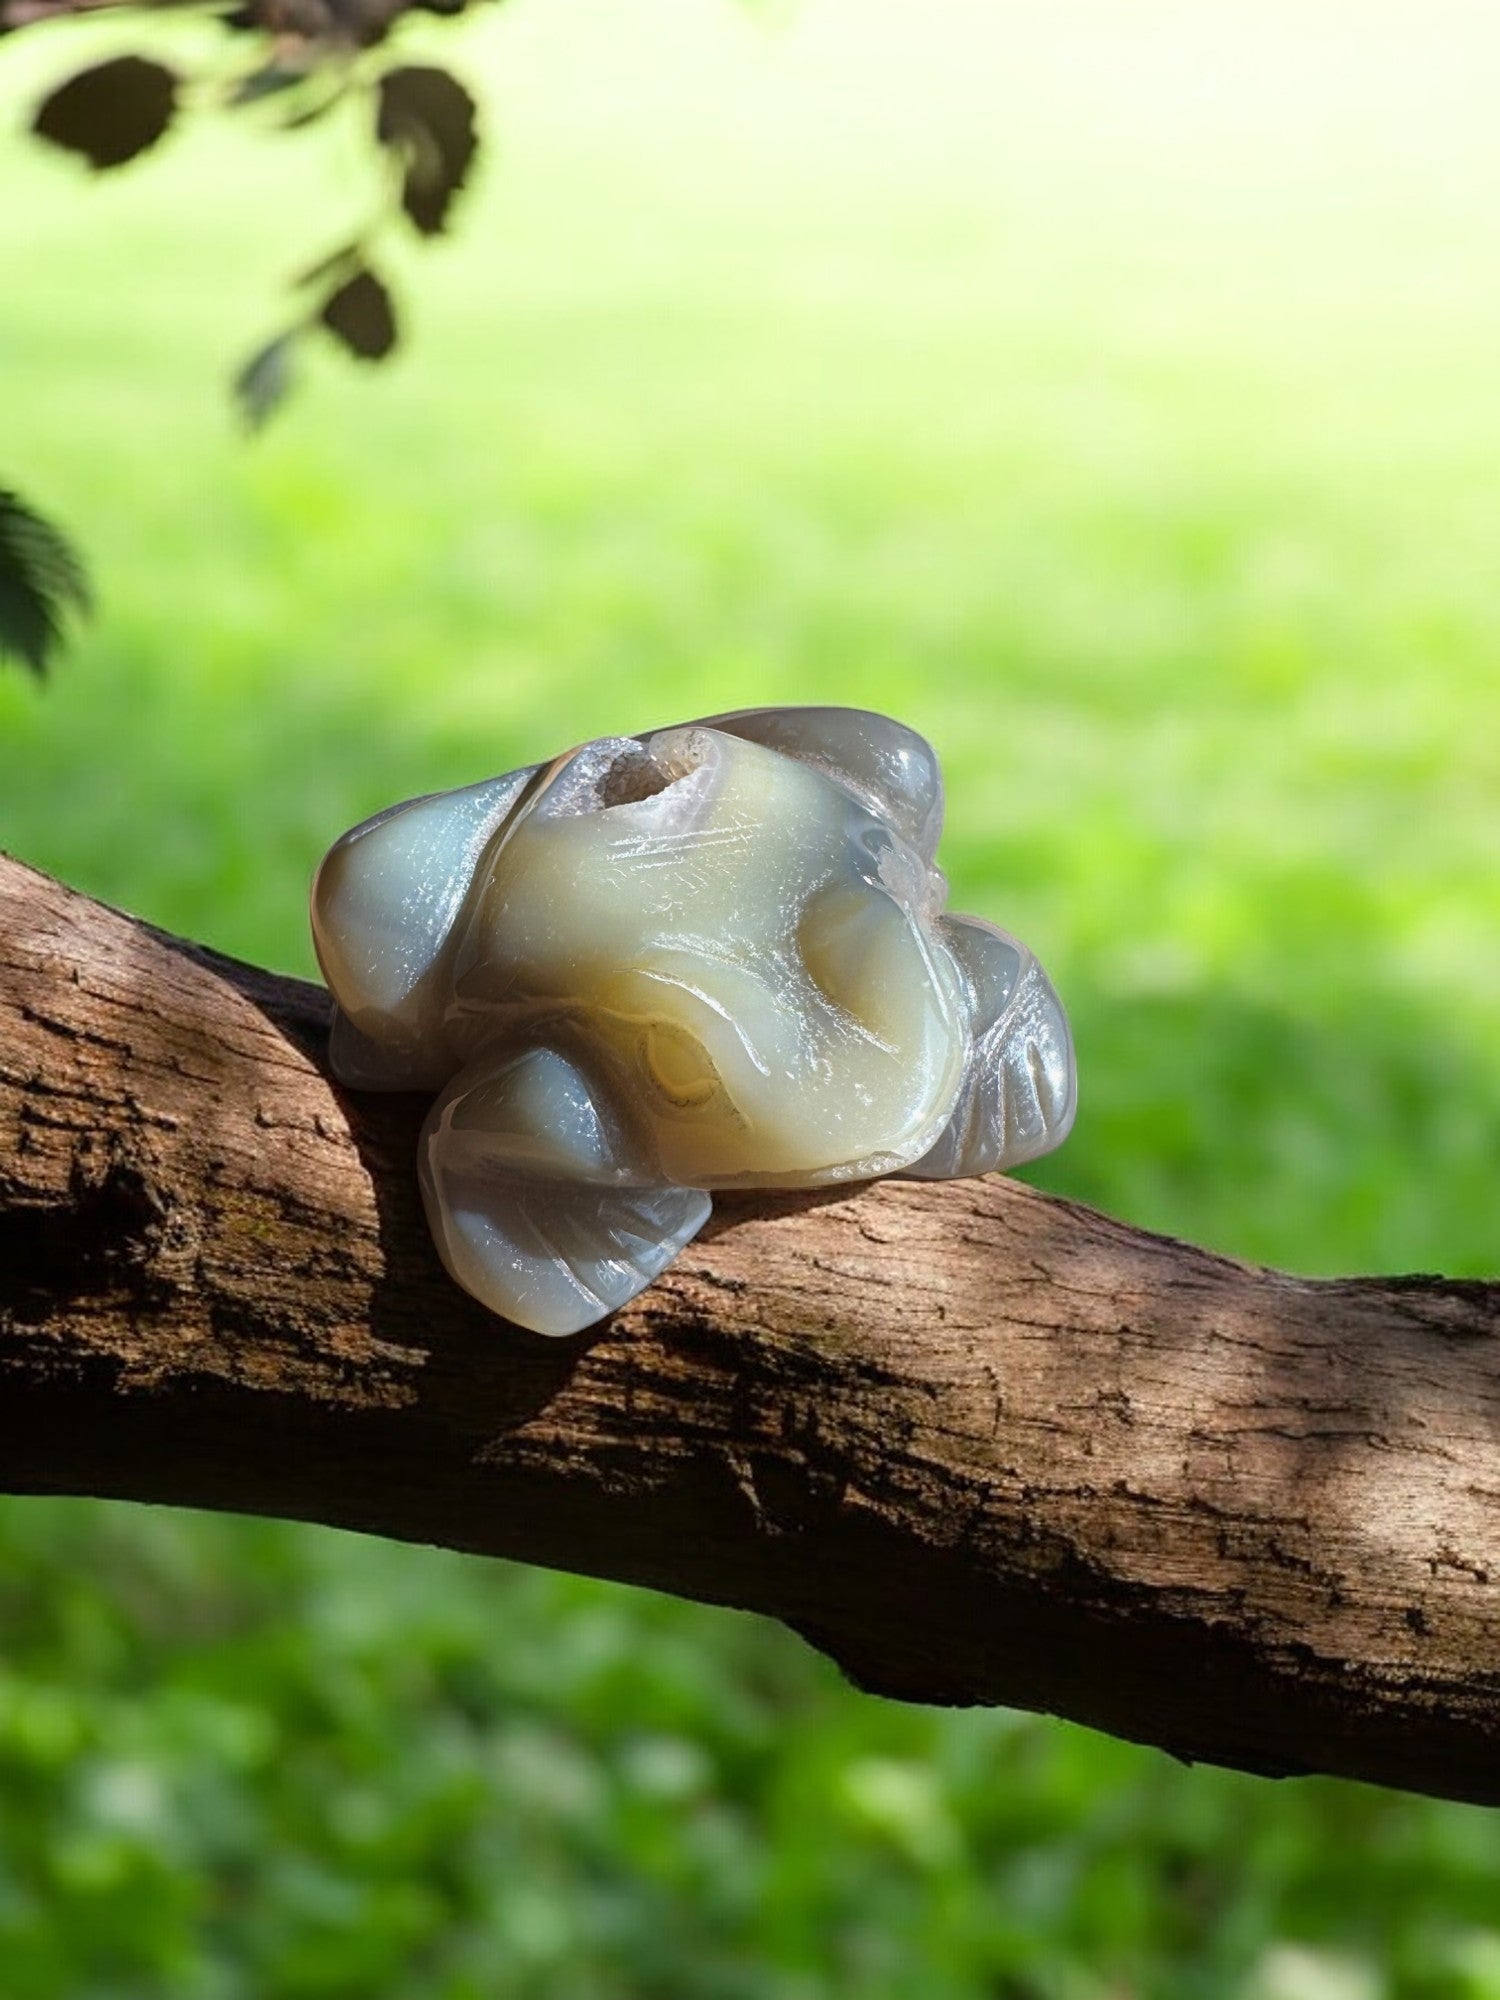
(713, 956)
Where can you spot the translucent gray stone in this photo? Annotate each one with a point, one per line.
(1020, 1087)
(711, 956)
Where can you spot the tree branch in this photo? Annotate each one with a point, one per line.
(976, 1444)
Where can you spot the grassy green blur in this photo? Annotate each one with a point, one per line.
(1109, 389)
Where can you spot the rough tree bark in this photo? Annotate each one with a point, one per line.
(976, 1444)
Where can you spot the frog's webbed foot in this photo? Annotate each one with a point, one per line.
(535, 1205)
(1020, 1087)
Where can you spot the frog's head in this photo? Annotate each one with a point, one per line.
(745, 948)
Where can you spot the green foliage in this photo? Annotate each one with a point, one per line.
(41, 580)
(237, 1758)
(308, 61)
(849, 362)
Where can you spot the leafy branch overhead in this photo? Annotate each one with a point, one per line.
(309, 56)
(41, 582)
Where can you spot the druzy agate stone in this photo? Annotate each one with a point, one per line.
(714, 956)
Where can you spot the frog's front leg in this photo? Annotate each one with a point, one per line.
(539, 1204)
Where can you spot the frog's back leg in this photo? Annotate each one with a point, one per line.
(1020, 1087)
(385, 907)
(536, 1205)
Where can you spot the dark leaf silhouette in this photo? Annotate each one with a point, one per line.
(360, 314)
(427, 118)
(41, 580)
(265, 379)
(110, 112)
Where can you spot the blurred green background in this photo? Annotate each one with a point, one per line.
(1109, 390)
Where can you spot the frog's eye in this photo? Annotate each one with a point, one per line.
(889, 768)
(863, 954)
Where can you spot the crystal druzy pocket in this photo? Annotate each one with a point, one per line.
(714, 956)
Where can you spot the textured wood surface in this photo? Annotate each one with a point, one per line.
(977, 1444)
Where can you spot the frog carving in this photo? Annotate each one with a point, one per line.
(713, 956)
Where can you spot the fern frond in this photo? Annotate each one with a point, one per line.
(42, 579)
